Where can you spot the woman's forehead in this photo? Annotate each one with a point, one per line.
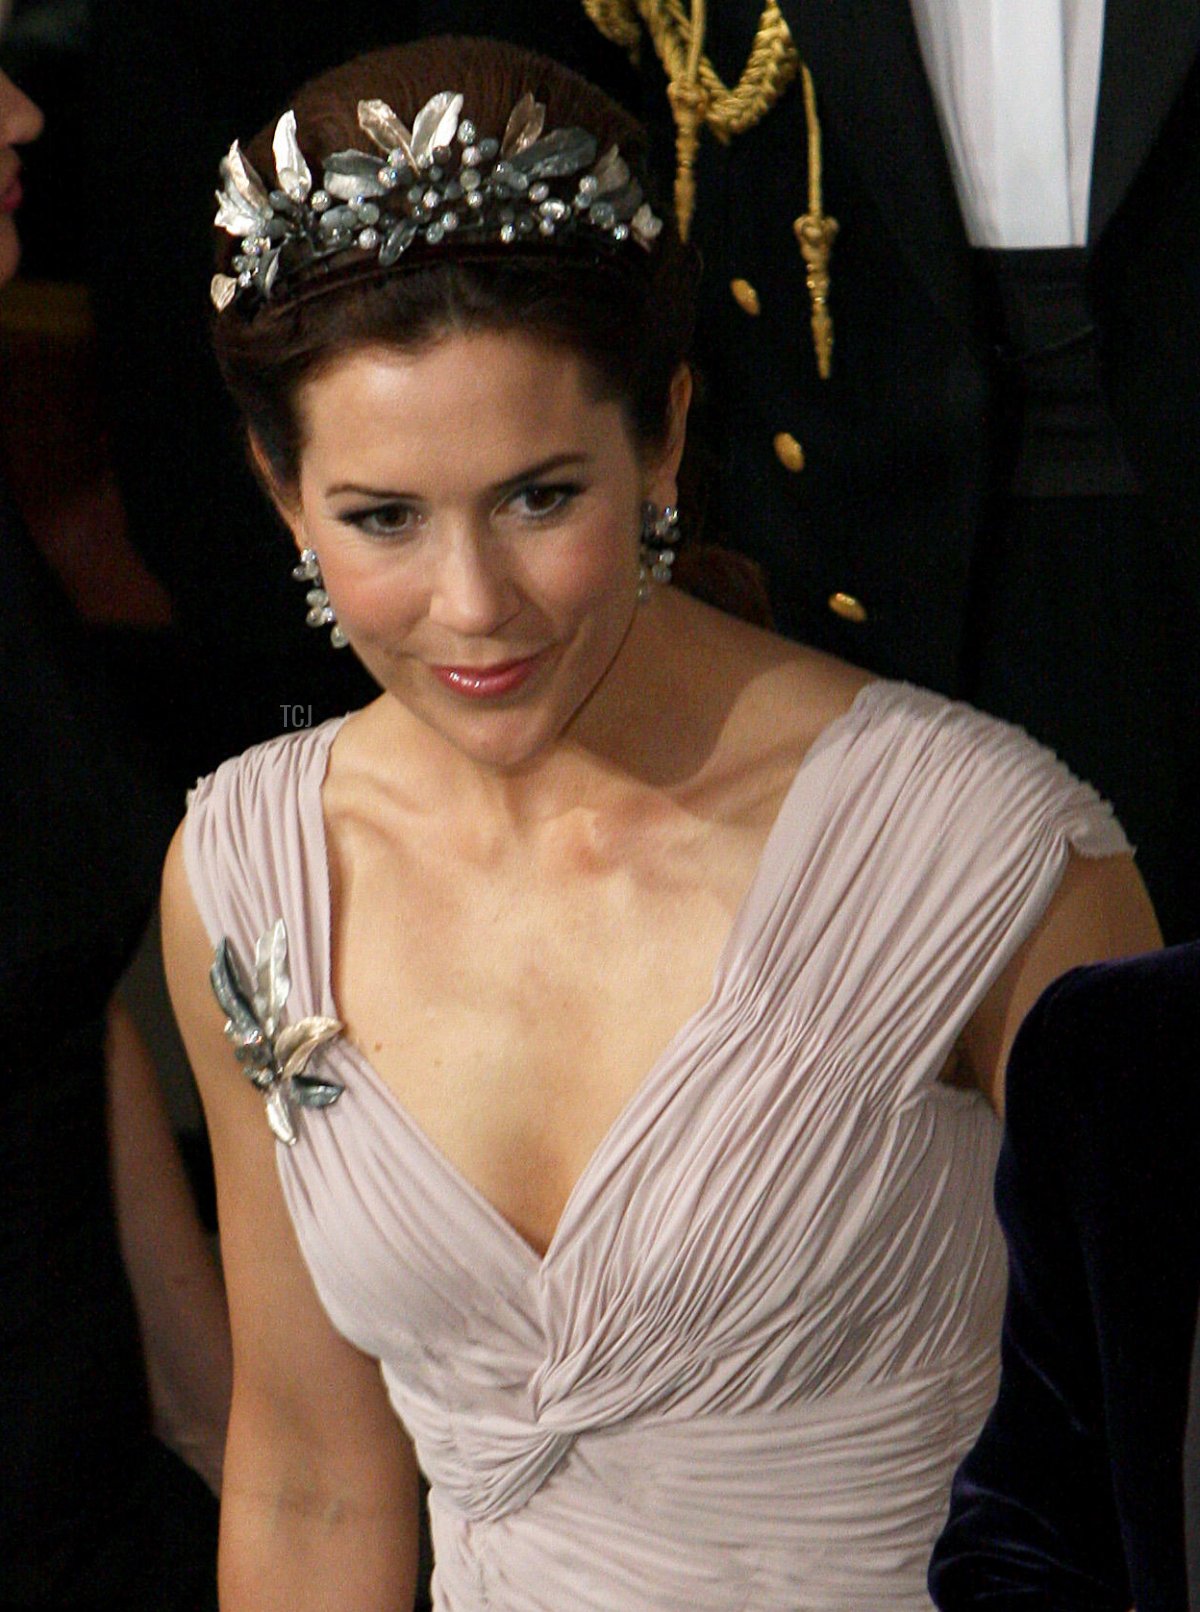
(470, 360)
(486, 399)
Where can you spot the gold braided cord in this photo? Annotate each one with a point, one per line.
(814, 142)
(689, 106)
(772, 65)
(678, 37)
(815, 234)
(617, 20)
(699, 98)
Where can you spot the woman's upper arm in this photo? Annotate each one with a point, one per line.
(320, 1481)
(1099, 911)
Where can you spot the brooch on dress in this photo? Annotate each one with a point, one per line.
(273, 1058)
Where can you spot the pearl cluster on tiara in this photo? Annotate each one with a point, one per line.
(434, 181)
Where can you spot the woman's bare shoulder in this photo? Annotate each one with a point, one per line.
(819, 686)
(378, 748)
(768, 700)
(783, 688)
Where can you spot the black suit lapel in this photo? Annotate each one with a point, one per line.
(1147, 51)
(872, 91)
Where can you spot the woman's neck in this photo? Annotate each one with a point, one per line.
(649, 726)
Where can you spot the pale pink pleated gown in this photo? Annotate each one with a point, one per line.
(765, 1330)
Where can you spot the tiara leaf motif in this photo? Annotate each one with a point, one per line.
(435, 125)
(292, 171)
(376, 119)
(433, 181)
(525, 123)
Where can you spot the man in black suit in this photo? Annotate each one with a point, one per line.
(996, 492)
(1073, 1497)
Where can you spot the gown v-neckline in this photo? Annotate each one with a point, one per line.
(460, 1182)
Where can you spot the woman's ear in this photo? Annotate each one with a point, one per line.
(285, 499)
(663, 469)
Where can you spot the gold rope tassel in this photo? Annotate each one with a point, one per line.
(816, 231)
(689, 104)
(698, 98)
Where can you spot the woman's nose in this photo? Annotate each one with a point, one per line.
(20, 120)
(472, 592)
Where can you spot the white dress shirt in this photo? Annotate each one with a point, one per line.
(1016, 84)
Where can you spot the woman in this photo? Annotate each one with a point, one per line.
(113, 1336)
(604, 967)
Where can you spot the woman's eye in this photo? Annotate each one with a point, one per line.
(540, 501)
(384, 520)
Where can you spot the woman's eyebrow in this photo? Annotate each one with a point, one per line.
(380, 493)
(558, 461)
(543, 467)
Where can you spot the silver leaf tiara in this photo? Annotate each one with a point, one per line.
(434, 181)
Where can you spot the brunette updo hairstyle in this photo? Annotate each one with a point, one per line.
(625, 312)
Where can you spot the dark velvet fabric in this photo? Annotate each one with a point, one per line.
(1073, 1496)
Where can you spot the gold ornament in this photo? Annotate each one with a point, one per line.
(699, 98)
(815, 232)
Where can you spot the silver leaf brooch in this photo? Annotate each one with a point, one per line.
(273, 1058)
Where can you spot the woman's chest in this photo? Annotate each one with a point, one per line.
(514, 1011)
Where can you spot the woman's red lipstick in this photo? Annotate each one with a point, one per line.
(488, 682)
(12, 197)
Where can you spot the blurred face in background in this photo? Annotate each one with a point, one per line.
(20, 122)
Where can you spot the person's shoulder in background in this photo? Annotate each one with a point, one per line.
(1118, 1016)
(1072, 1497)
